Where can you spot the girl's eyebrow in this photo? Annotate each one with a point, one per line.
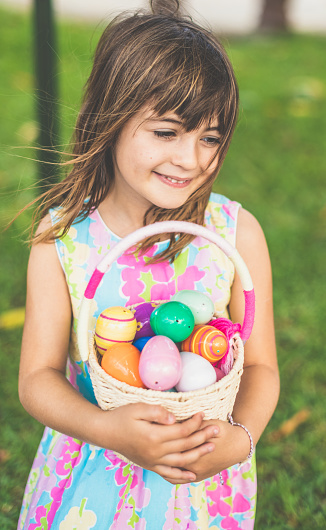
(178, 122)
(166, 120)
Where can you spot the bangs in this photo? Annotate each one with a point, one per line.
(191, 79)
(194, 105)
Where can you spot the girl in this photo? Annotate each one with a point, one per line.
(158, 114)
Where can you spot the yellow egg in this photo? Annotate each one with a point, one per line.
(115, 325)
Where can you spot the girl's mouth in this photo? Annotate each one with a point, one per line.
(172, 181)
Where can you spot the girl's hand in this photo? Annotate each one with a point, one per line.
(150, 436)
(231, 446)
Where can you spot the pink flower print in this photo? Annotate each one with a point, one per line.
(189, 278)
(133, 494)
(240, 503)
(139, 278)
(216, 493)
(123, 518)
(65, 465)
(162, 291)
(40, 518)
(97, 229)
(230, 524)
(113, 459)
(228, 211)
(133, 287)
(179, 510)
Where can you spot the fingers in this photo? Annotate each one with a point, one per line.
(183, 460)
(175, 475)
(154, 414)
(184, 429)
(194, 440)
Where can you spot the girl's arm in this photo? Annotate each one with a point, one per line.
(148, 435)
(259, 388)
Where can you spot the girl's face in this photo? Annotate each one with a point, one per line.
(157, 162)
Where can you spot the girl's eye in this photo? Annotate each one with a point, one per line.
(212, 140)
(165, 134)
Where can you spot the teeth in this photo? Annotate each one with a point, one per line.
(174, 181)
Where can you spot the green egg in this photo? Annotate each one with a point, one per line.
(174, 320)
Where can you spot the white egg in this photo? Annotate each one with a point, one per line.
(196, 373)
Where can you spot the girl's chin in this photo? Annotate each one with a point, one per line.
(172, 199)
(169, 205)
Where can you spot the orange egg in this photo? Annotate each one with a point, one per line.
(121, 361)
(206, 341)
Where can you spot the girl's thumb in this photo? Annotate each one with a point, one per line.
(158, 414)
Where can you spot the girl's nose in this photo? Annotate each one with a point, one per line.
(185, 154)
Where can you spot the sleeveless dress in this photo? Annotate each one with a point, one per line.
(75, 485)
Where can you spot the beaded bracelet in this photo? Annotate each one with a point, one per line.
(235, 424)
(251, 452)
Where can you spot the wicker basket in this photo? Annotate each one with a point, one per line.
(217, 400)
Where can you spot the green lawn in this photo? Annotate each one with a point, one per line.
(275, 168)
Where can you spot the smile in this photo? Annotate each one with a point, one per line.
(176, 183)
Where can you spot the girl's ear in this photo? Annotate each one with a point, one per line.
(165, 7)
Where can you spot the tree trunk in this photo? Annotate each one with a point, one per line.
(273, 16)
(46, 93)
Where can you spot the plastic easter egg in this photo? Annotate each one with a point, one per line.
(142, 315)
(199, 303)
(206, 341)
(114, 325)
(174, 320)
(140, 343)
(121, 361)
(197, 373)
(160, 363)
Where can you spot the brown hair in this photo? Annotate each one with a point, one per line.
(159, 58)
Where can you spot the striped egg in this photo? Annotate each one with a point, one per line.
(114, 325)
(207, 341)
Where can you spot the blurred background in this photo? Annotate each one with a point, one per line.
(275, 168)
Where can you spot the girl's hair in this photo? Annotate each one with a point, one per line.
(162, 59)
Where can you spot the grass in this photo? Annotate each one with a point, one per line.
(275, 168)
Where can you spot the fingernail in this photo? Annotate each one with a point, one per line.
(170, 418)
(216, 431)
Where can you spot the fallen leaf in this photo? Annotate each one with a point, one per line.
(4, 456)
(14, 318)
(290, 425)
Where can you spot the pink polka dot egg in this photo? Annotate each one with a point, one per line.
(114, 325)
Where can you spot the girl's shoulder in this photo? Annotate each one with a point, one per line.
(218, 204)
(83, 229)
(222, 215)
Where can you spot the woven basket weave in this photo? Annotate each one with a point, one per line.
(217, 400)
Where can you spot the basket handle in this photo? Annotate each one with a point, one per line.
(162, 228)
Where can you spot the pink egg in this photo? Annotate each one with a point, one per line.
(160, 363)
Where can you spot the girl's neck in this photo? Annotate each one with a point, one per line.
(121, 219)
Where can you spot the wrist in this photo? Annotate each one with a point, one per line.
(245, 440)
(100, 429)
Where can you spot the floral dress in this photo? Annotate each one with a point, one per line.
(75, 485)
